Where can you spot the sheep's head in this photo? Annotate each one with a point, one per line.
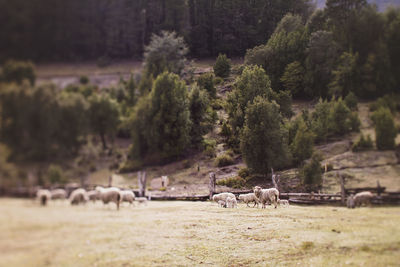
(257, 191)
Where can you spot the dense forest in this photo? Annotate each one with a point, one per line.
(92, 29)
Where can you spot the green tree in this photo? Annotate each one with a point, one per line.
(303, 143)
(206, 81)
(103, 117)
(293, 78)
(55, 174)
(161, 121)
(165, 52)
(385, 130)
(339, 118)
(311, 173)
(264, 137)
(18, 71)
(320, 120)
(345, 76)
(222, 66)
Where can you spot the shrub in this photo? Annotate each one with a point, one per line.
(55, 174)
(222, 66)
(320, 120)
(385, 129)
(303, 143)
(18, 71)
(339, 118)
(244, 173)
(284, 100)
(224, 160)
(210, 147)
(311, 173)
(351, 101)
(130, 166)
(84, 79)
(206, 81)
(234, 182)
(218, 80)
(363, 144)
(388, 101)
(354, 122)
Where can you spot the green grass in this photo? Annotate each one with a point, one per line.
(196, 233)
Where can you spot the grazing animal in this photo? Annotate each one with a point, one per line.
(264, 195)
(247, 198)
(58, 194)
(127, 196)
(93, 195)
(78, 196)
(107, 195)
(43, 195)
(222, 204)
(231, 202)
(350, 202)
(222, 196)
(363, 198)
(284, 202)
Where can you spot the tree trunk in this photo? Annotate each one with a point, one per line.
(211, 185)
(103, 141)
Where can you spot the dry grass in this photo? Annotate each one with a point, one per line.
(192, 234)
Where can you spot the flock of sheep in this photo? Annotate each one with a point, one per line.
(81, 196)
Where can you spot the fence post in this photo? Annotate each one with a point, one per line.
(342, 189)
(142, 183)
(211, 185)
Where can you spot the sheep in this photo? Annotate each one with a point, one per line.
(93, 195)
(284, 202)
(141, 200)
(58, 194)
(247, 198)
(127, 196)
(222, 196)
(263, 195)
(107, 195)
(43, 195)
(363, 198)
(231, 202)
(78, 196)
(222, 203)
(350, 202)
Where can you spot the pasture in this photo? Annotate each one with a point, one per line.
(196, 233)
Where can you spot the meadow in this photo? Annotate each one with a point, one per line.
(195, 234)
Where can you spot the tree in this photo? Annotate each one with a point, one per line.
(103, 116)
(303, 143)
(55, 174)
(161, 121)
(251, 83)
(165, 52)
(339, 118)
(345, 76)
(206, 81)
(311, 173)
(18, 71)
(264, 138)
(320, 120)
(293, 78)
(385, 129)
(222, 66)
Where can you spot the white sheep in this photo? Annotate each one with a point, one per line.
(58, 194)
(222, 196)
(107, 195)
(93, 195)
(284, 202)
(127, 196)
(231, 202)
(43, 195)
(222, 203)
(363, 198)
(247, 198)
(78, 196)
(264, 195)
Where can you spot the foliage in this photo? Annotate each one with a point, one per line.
(293, 78)
(103, 117)
(223, 160)
(206, 81)
(311, 173)
(8, 170)
(161, 121)
(351, 101)
(320, 120)
(284, 100)
(55, 174)
(210, 146)
(233, 182)
(222, 66)
(165, 52)
(18, 71)
(345, 76)
(264, 137)
(363, 144)
(84, 79)
(303, 143)
(339, 118)
(391, 102)
(244, 173)
(385, 130)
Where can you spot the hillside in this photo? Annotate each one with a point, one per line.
(381, 4)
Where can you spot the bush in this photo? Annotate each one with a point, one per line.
(303, 143)
(385, 129)
(210, 147)
(234, 182)
(224, 160)
(351, 101)
(218, 80)
(244, 173)
(388, 101)
(206, 81)
(222, 66)
(55, 174)
(18, 71)
(130, 166)
(363, 144)
(311, 173)
(354, 122)
(84, 79)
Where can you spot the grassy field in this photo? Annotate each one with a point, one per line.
(198, 233)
